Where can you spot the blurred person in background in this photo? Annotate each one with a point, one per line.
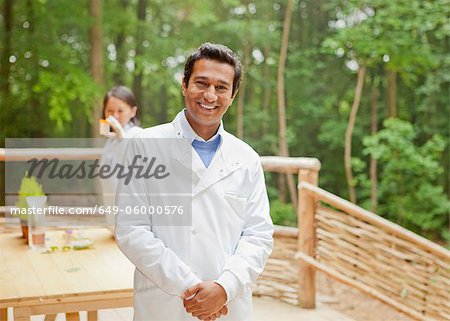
(120, 112)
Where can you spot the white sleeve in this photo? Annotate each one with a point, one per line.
(255, 244)
(136, 240)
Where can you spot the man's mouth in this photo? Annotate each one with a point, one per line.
(208, 107)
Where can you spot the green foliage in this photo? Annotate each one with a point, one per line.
(398, 29)
(282, 213)
(29, 186)
(408, 189)
(66, 90)
(51, 89)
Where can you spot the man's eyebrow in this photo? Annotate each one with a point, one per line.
(223, 82)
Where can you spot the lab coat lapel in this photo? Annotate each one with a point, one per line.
(221, 166)
(187, 156)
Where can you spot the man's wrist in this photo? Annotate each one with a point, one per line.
(190, 280)
(229, 282)
(223, 289)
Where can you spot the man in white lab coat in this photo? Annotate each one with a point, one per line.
(204, 270)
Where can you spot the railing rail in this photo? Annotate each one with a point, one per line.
(270, 163)
(23, 154)
(344, 205)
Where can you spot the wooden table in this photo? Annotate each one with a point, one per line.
(63, 282)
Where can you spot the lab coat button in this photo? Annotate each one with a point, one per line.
(194, 232)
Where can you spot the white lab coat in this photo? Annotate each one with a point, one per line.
(112, 154)
(229, 240)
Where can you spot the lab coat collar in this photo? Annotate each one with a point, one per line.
(223, 164)
(190, 134)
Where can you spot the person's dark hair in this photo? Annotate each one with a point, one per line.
(125, 94)
(213, 51)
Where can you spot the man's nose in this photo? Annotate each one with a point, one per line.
(210, 93)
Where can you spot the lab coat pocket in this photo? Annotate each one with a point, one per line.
(238, 203)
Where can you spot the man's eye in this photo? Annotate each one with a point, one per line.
(222, 88)
(200, 83)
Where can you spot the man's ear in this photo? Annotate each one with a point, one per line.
(183, 86)
(234, 96)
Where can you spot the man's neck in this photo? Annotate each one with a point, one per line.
(204, 132)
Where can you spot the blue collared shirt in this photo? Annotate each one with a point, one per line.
(205, 149)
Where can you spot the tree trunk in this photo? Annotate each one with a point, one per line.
(138, 71)
(5, 65)
(37, 112)
(121, 57)
(282, 187)
(163, 99)
(5, 70)
(349, 132)
(267, 89)
(282, 143)
(373, 130)
(392, 93)
(242, 91)
(96, 58)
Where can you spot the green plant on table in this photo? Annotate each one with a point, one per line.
(29, 186)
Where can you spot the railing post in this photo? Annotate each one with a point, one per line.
(306, 240)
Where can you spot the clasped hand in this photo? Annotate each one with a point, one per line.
(206, 301)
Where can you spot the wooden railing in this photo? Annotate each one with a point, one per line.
(23, 154)
(374, 255)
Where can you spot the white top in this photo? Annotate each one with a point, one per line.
(112, 154)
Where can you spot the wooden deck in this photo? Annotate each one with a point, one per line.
(264, 310)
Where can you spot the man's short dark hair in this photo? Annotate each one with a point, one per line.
(213, 51)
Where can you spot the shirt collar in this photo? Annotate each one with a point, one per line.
(128, 126)
(190, 134)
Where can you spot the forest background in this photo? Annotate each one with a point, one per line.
(364, 86)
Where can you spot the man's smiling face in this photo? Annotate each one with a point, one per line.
(208, 95)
